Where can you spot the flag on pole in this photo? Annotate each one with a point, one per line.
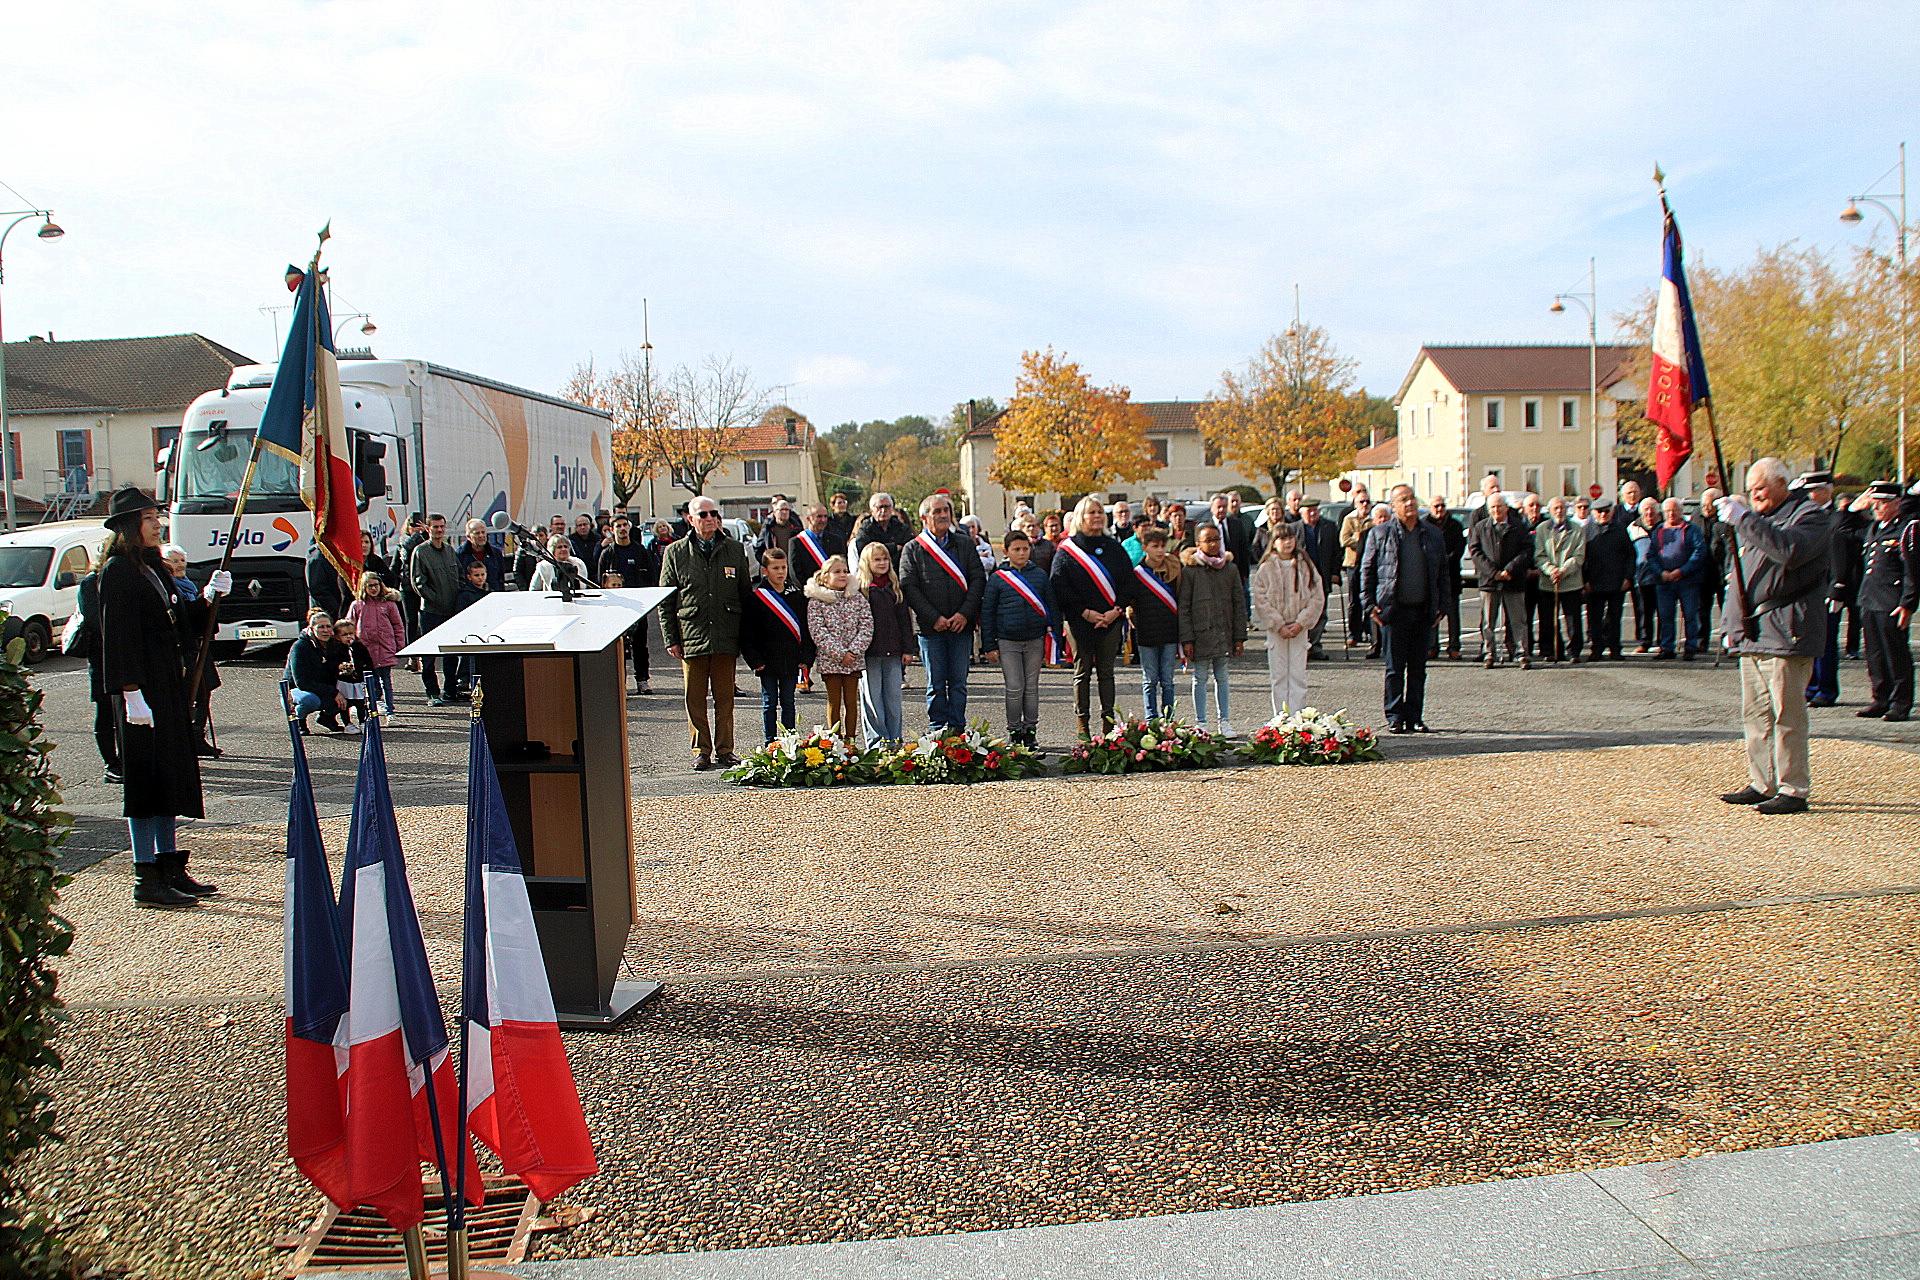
(1678, 381)
(316, 989)
(520, 1092)
(306, 424)
(397, 1038)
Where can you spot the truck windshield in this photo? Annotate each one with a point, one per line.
(24, 566)
(212, 467)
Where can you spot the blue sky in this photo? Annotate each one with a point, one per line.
(881, 205)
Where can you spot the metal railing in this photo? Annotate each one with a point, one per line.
(72, 492)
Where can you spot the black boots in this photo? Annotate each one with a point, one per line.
(174, 868)
(151, 889)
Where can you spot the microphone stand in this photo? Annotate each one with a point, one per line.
(566, 573)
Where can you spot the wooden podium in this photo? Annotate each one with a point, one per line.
(553, 697)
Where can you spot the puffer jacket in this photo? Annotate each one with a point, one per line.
(1005, 613)
(710, 596)
(1562, 547)
(841, 622)
(1380, 566)
(1786, 555)
(381, 629)
(1154, 624)
(1213, 616)
(1287, 591)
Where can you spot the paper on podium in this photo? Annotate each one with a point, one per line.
(540, 622)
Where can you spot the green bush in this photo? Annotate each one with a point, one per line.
(32, 936)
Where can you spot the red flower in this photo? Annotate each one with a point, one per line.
(993, 759)
(906, 766)
(960, 753)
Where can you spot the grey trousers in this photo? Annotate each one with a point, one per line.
(1020, 663)
(1773, 710)
(1509, 604)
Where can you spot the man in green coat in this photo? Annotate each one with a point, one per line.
(711, 579)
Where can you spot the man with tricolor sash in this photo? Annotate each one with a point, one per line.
(944, 584)
(1093, 583)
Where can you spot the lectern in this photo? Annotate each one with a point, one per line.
(553, 697)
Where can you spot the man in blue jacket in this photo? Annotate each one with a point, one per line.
(1675, 561)
(1403, 589)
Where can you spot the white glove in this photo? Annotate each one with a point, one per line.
(138, 712)
(220, 583)
(1731, 510)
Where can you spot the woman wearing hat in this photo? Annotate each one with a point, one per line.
(141, 613)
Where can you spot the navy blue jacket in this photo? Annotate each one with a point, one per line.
(1380, 566)
(1005, 614)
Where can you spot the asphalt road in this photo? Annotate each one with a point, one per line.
(1472, 710)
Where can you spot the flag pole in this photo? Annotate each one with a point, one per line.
(457, 1227)
(415, 1243)
(240, 511)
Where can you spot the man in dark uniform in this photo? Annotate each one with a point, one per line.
(1824, 689)
(1889, 592)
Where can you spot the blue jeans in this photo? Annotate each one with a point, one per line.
(776, 704)
(1687, 596)
(947, 654)
(880, 716)
(1214, 669)
(380, 688)
(151, 838)
(1157, 665)
(305, 704)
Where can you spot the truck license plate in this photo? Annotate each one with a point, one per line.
(258, 633)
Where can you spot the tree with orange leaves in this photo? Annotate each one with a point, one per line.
(1061, 434)
(1292, 413)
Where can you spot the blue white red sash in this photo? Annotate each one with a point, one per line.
(1052, 649)
(781, 610)
(940, 555)
(814, 548)
(1095, 570)
(1019, 584)
(1153, 583)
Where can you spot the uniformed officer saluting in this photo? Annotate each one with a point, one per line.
(1889, 592)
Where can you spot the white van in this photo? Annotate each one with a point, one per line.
(40, 571)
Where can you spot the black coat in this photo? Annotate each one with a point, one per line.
(1234, 537)
(1456, 539)
(1074, 591)
(766, 641)
(326, 590)
(932, 592)
(1504, 545)
(140, 620)
(86, 641)
(1321, 542)
(636, 564)
(1609, 563)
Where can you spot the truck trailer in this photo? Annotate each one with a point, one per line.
(423, 438)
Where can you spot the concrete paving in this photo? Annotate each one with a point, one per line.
(1819, 1211)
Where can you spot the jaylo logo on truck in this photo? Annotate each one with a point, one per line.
(569, 480)
(258, 537)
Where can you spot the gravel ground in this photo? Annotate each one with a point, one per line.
(766, 881)
(755, 1111)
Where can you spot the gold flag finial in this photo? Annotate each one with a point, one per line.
(326, 232)
(1659, 178)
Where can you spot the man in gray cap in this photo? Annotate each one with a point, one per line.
(1774, 609)
(1889, 593)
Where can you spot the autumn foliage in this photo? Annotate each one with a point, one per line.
(1062, 434)
(1291, 413)
(684, 427)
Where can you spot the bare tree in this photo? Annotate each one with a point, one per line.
(707, 412)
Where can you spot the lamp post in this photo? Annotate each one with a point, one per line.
(1590, 300)
(1852, 214)
(368, 329)
(49, 230)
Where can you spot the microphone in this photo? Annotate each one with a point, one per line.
(566, 572)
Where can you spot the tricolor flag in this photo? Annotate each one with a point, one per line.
(1679, 377)
(305, 423)
(316, 989)
(520, 1092)
(396, 1036)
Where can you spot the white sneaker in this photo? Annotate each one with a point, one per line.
(390, 717)
(353, 731)
(1224, 728)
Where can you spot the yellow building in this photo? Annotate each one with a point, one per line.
(776, 457)
(1519, 412)
(1190, 471)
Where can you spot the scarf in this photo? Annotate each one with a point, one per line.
(1212, 562)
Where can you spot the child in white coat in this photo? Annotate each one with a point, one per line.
(1287, 600)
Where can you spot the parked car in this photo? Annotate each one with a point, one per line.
(40, 571)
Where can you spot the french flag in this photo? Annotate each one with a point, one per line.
(316, 991)
(1678, 380)
(521, 1099)
(397, 1040)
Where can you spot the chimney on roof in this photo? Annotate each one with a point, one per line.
(793, 429)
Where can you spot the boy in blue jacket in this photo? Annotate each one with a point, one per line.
(1017, 618)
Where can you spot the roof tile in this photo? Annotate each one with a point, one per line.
(115, 374)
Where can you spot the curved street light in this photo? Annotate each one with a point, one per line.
(49, 230)
(1590, 303)
(1852, 216)
(368, 329)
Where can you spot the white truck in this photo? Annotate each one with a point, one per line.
(424, 438)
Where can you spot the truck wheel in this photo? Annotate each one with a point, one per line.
(39, 639)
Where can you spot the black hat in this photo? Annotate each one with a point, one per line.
(128, 501)
(1884, 489)
(1813, 480)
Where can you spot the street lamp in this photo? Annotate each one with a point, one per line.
(1590, 300)
(368, 329)
(49, 230)
(1851, 214)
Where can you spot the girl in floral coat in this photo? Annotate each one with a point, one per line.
(841, 623)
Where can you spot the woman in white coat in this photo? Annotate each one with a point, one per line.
(1287, 600)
